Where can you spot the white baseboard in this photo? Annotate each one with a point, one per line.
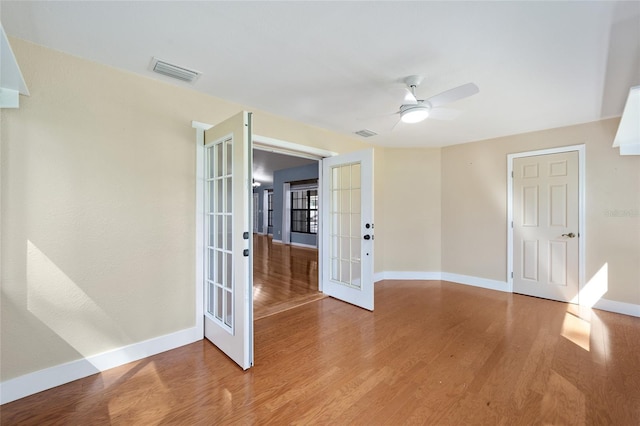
(445, 276)
(273, 240)
(406, 275)
(618, 307)
(303, 245)
(38, 381)
(476, 282)
(603, 304)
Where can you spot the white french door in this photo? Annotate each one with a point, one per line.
(347, 227)
(228, 310)
(546, 226)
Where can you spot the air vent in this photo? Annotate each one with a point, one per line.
(174, 71)
(366, 133)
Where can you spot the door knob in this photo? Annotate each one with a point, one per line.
(570, 235)
(367, 237)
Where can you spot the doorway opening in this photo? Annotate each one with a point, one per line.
(285, 237)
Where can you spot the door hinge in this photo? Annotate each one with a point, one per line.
(511, 173)
(512, 224)
(511, 274)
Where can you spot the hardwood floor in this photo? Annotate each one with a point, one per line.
(432, 353)
(284, 276)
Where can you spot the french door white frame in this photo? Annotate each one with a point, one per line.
(581, 210)
(259, 142)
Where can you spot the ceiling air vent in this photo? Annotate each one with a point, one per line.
(366, 133)
(174, 71)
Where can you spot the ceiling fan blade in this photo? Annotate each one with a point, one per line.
(394, 126)
(409, 98)
(453, 95)
(443, 114)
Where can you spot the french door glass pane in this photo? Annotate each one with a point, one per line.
(211, 254)
(229, 232)
(219, 267)
(229, 154)
(219, 230)
(229, 197)
(218, 200)
(209, 159)
(228, 317)
(210, 299)
(335, 269)
(217, 170)
(345, 177)
(218, 302)
(355, 176)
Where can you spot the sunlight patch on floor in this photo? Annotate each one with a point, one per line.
(577, 330)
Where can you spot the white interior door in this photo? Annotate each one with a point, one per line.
(347, 227)
(228, 310)
(545, 226)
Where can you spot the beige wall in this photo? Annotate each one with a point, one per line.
(410, 206)
(98, 207)
(474, 205)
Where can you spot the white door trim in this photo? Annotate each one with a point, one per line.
(265, 143)
(581, 208)
(199, 288)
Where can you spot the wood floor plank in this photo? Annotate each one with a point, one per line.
(284, 276)
(431, 353)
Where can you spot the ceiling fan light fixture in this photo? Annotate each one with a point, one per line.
(414, 114)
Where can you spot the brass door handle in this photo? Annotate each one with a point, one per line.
(570, 235)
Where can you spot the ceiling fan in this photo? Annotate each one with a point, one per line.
(414, 110)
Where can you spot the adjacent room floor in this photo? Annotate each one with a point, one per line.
(431, 353)
(284, 276)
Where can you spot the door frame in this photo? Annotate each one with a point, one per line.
(581, 210)
(259, 142)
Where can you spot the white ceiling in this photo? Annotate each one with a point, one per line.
(339, 65)
(265, 163)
